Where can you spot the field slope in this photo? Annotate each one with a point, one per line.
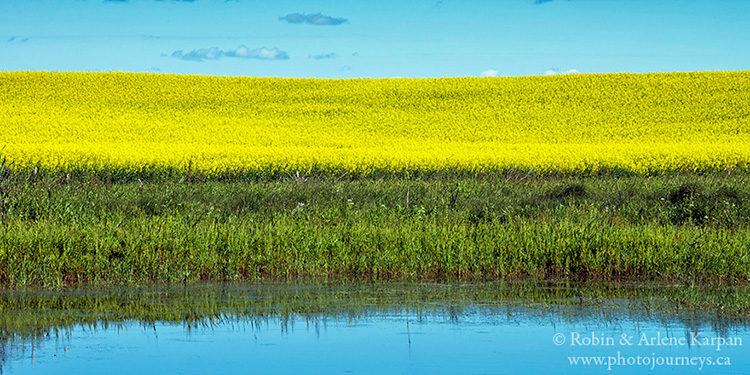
(638, 122)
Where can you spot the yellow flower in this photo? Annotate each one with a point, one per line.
(639, 122)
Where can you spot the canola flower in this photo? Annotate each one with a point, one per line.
(639, 122)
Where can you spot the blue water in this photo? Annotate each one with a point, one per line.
(477, 342)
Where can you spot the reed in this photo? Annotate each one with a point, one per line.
(66, 229)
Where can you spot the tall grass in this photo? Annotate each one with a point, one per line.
(69, 229)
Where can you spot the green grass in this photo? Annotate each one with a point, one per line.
(101, 228)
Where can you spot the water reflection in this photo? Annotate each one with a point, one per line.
(357, 328)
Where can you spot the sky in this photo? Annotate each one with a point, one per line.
(384, 38)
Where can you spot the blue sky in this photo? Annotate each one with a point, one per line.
(385, 38)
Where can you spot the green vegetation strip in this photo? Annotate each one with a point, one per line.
(88, 228)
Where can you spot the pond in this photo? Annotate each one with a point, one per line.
(367, 328)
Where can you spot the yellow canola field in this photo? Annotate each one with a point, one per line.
(640, 122)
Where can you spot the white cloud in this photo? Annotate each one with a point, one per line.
(215, 53)
(490, 73)
(241, 51)
(330, 55)
(554, 72)
(258, 53)
(313, 19)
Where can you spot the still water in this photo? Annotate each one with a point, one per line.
(365, 329)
